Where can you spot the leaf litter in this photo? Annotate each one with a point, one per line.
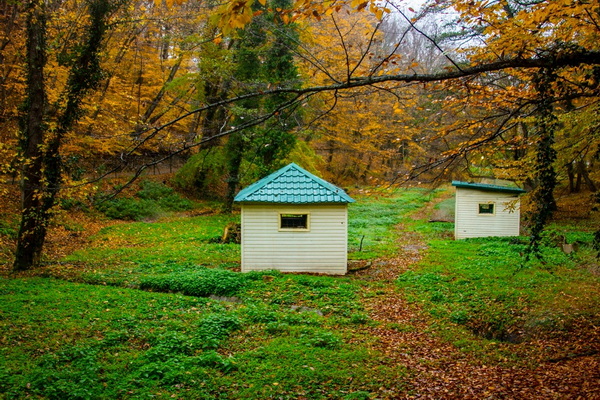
(437, 369)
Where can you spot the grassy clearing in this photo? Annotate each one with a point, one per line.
(119, 251)
(99, 336)
(486, 288)
(71, 341)
(199, 329)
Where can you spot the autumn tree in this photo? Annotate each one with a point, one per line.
(257, 58)
(45, 121)
(526, 68)
(525, 109)
(522, 65)
(371, 134)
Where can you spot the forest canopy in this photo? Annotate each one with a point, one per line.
(364, 92)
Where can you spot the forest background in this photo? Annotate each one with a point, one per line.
(364, 93)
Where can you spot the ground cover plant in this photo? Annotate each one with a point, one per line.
(151, 200)
(373, 220)
(489, 288)
(70, 341)
(159, 310)
(165, 240)
(479, 285)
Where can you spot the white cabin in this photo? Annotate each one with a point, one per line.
(483, 210)
(293, 221)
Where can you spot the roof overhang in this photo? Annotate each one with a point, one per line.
(488, 188)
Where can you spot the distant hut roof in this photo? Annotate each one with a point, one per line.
(293, 185)
(487, 187)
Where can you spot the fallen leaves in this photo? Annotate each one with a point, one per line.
(562, 367)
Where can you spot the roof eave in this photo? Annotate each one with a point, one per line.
(296, 203)
(487, 188)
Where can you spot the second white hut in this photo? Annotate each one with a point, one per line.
(486, 210)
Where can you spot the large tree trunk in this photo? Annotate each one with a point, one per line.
(32, 230)
(41, 173)
(543, 196)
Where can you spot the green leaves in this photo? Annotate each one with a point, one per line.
(152, 200)
(203, 283)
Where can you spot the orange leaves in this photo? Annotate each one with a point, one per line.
(236, 14)
(512, 30)
(168, 3)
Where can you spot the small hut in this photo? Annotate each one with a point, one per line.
(296, 222)
(486, 210)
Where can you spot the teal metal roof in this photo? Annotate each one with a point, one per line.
(292, 185)
(488, 188)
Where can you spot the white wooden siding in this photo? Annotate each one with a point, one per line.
(469, 223)
(322, 249)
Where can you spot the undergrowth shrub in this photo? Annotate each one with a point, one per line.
(127, 208)
(202, 174)
(151, 200)
(213, 329)
(166, 197)
(202, 283)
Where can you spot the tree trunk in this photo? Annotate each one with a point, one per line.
(571, 176)
(32, 231)
(543, 196)
(41, 174)
(583, 173)
(235, 153)
(579, 177)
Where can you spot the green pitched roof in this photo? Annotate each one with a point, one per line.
(292, 185)
(488, 188)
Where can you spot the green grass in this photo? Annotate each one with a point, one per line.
(67, 340)
(485, 286)
(373, 218)
(182, 240)
(157, 310)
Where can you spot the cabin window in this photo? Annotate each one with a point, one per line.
(292, 222)
(486, 208)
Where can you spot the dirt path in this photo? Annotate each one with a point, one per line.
(437, 369)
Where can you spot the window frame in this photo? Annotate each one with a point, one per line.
(489, 203)
(280, 215)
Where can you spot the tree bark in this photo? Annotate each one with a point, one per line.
(235, 154)
(543, 196)
(40, 148)
(32, 231)
(583, 174)
(571, 176)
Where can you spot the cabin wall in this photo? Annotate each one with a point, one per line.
(322, 248)
(469, 223)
